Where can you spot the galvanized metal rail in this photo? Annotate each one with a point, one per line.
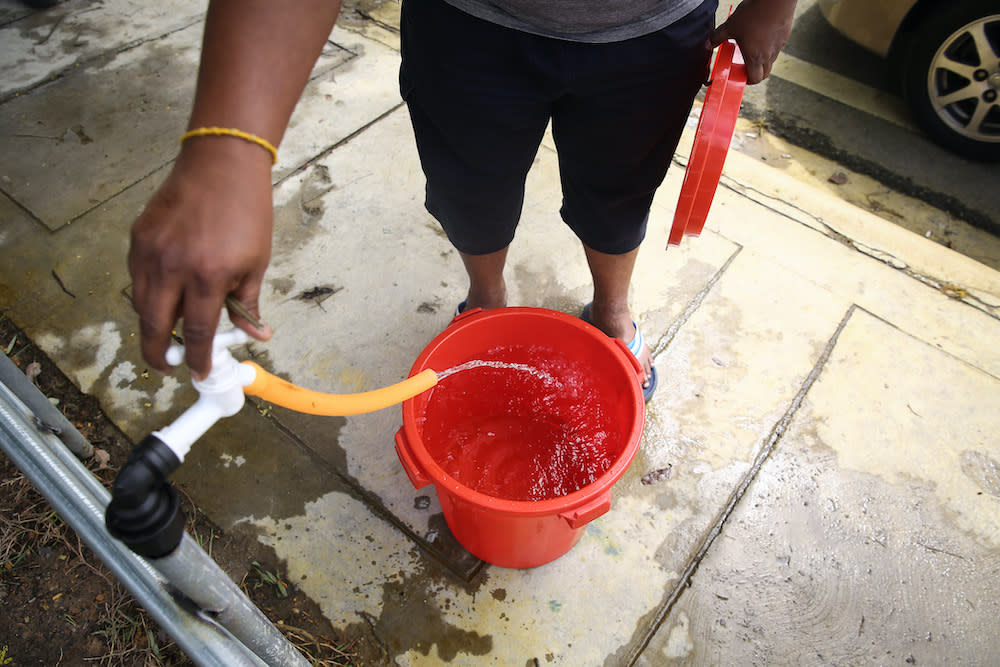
(185, 592)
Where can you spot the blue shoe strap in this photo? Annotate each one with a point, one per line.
(635, 347)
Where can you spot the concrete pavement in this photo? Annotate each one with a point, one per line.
(826, 434)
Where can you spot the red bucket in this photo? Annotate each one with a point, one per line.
(524, 447)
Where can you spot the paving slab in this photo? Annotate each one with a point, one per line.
(870, 535)
(119, 117)
(929, 291)
(39, 46)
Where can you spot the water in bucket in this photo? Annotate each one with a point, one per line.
(520, 423)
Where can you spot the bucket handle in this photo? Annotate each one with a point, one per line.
(581, 515)
(413, 471)
(636, 366)
(465, 313)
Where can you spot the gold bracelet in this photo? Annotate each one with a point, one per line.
(232, 132)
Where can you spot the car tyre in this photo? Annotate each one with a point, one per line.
(951, 77)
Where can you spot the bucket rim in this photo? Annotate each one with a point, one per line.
(583, 495)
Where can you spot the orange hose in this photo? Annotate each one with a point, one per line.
(281, 392)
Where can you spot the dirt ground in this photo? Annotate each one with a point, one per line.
(60, 606)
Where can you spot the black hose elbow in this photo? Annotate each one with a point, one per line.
(144, 511)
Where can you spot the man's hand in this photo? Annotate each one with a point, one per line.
(206, 233)
(760, 28)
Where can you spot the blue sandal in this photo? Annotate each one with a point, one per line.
(635, 347)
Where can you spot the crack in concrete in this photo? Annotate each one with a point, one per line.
(950, 290)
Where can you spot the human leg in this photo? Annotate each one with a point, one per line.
(616, 132)
(618, 125)
(609, 309)
(487, 288)
(478, 119)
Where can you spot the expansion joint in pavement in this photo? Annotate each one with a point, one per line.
(663, 342)
(774, 436)
(73, 67)
(319, 157)
(24, 209)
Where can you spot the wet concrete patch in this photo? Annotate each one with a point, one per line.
(547, 613)
(863, 537)
(542, 286)
(281, 285)
(411, 623)
(297, 220)
(85, 263)
(69, 289)
(923, 415)
(321, 435)
(246, 468)
(102, 357)
(826, 566)
(40, 45)
(340, 554)
(119, 116)
(26, 264)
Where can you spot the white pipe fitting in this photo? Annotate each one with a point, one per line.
(219, 395)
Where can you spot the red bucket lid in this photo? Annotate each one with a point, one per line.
(711, 142)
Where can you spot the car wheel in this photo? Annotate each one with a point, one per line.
(951, 77)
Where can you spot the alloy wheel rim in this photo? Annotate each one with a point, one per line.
(963, 81)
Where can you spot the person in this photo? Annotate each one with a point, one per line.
(482, 79)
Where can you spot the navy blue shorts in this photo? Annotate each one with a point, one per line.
(480, 97)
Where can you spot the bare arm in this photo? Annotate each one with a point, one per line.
(207, 231)
(761, 28)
